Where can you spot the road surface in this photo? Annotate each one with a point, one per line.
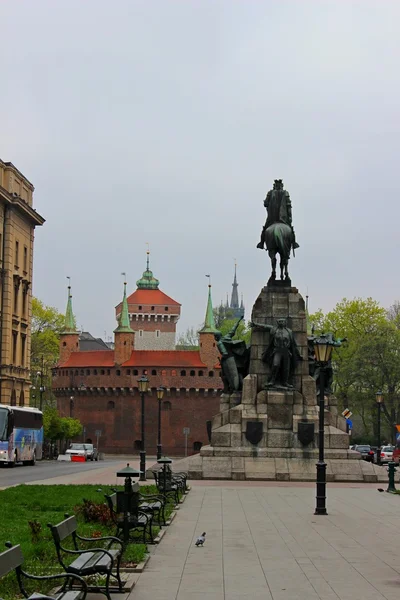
(49, 469)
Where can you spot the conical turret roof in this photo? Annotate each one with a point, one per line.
(209, 323)
(123, 320)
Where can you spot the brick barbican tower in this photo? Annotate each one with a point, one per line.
(100, 386)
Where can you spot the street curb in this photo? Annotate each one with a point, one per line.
(139, 567)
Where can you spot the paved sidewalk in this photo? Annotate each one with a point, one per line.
(265, 543)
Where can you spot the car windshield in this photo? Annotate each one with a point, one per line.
(363, 448)
(77, 447)
(387, 449)
(3, 423)
(89, 447)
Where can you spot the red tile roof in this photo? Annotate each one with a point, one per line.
(164, 358)
(96, 358)
(139, 358)
(156, 297)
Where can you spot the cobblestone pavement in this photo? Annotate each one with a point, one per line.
(264, 542)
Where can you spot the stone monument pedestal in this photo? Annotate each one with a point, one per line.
(272, 434)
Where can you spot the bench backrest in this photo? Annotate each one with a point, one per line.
(64, 529)
(10, 560)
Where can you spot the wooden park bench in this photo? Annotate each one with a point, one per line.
(136, 519)
(93, 561)
(171, 488)
(12, 560)
(153, 504)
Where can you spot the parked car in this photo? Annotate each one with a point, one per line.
(365, 451)
(91, 451)
(386, 454)
(78, 450)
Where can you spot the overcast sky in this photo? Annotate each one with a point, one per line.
(166, 122)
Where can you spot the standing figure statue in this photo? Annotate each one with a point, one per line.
(281, 354)
(278, 234)
(235, 359)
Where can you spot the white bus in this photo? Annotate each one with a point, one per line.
(21, 435)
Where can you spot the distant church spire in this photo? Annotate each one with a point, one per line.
(235, 295)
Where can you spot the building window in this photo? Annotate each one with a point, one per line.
(192, 373)
(201, 373)
(87, 371)
(157, 333)
(140, 332)
(94, 371)
(24, 296)
(76, 371)
(21, 398)
(108, 371)
(102, 372)
(13, 398)
(23, 346)
(213, 344)
(183, 373)
(82, 372)
(152, 308)
(135, 372)
(154, 372)
(1, 246)
(173, 373)
(197, 446)
(167, 405)
(16, 288)
(118, 372)
(110, 405)
(211, 373)
(166, 308)
(140, 307)
(14, 347)
(128, 371)
(16, 258)
(25, 259)
(163, 372)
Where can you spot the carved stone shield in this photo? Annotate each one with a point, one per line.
(306, 432)
(208, 425)
(254, 432)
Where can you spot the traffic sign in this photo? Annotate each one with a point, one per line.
(346, 413)
(186, 431)
(349, 423)
(98, 433)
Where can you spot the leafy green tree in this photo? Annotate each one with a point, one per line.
(59, 428)
(243, 332)
(47, 324)
(368, 362)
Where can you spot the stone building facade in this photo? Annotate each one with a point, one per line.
(18, 220)
(153, 315)
(100, 387)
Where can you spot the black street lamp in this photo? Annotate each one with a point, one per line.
(160, 394)
(143, 384)
(125, 498)
(323, 351)
(164, 462)
(379, 400)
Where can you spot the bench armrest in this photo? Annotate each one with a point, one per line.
(152, 496)
(58, 576)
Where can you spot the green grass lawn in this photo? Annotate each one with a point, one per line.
(42, 504)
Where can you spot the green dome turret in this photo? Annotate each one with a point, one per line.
(147, 281)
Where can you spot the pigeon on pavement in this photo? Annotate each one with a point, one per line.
(201, 539)
(380, 490)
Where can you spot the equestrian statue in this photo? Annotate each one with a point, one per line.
(278, 234)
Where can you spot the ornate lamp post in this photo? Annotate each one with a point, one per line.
(143, 384)
(379, 400)
(160, 394)
(164, 461)
(323, 352)
(124, 499)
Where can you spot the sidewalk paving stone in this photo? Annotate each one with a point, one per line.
(265, 542)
